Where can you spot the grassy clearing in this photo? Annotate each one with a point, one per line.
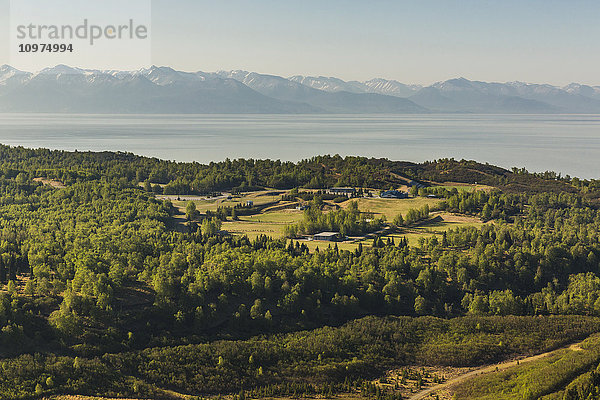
(437, 226)
(312, 245)
(273, 224)
(204, 204)
(275, 217)
(392, 207)
(584, 382)
(447, 221)
(413, 238)
(534, 379)
(166, 394)
(270, 224)
(465, 186)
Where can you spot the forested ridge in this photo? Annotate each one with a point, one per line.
(244, 174)
(99, 292)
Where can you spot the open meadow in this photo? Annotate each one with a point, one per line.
(270, 223)
(277, 214)
(204, 204)
(392, 207)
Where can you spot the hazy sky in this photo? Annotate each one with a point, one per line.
(417, 41)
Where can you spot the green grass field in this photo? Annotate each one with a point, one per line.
(312, 245)
(204, 205)
(270, 224)
(275, 217)
(437, 227)
(392, 207)
(448, 221)
(273, 224)
(466, 187)
(413, 238)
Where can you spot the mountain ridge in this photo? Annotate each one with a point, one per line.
(165, 90)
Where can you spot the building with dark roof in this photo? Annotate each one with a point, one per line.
(393, 194)
(327, 236)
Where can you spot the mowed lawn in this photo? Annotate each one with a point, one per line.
(270, 224)
(465, 187)
(312, 245)
(392, 207)
(442, 221)
(204, 205)
(446, 221)
(273, 224)
(413, 238)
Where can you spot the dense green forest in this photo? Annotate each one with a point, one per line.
(100, 293)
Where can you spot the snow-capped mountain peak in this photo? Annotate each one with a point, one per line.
(164, 76)
(62, 69)
(9, 75)
(164, 89)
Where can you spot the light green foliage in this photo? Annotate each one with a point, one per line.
(190, 210)
(103, 257)
(412, 216)
(349, 221)
(210, 227)
(399, 220)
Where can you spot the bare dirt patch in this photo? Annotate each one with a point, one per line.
(461, 219)
(411, 380)
(20, 283)
(50, 182)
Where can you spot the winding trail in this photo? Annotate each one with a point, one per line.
(490, 368)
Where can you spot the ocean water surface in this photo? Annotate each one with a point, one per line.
(569, 144)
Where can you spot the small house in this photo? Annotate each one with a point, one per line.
(327, 236)
(416, 184)
(394, 194)
(342, 191)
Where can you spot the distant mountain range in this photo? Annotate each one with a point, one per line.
(64, 89)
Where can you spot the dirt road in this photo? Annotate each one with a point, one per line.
(487, 369)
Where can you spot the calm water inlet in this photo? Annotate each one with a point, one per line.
(569, 144)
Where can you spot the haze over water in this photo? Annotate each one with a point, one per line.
(569, 144)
